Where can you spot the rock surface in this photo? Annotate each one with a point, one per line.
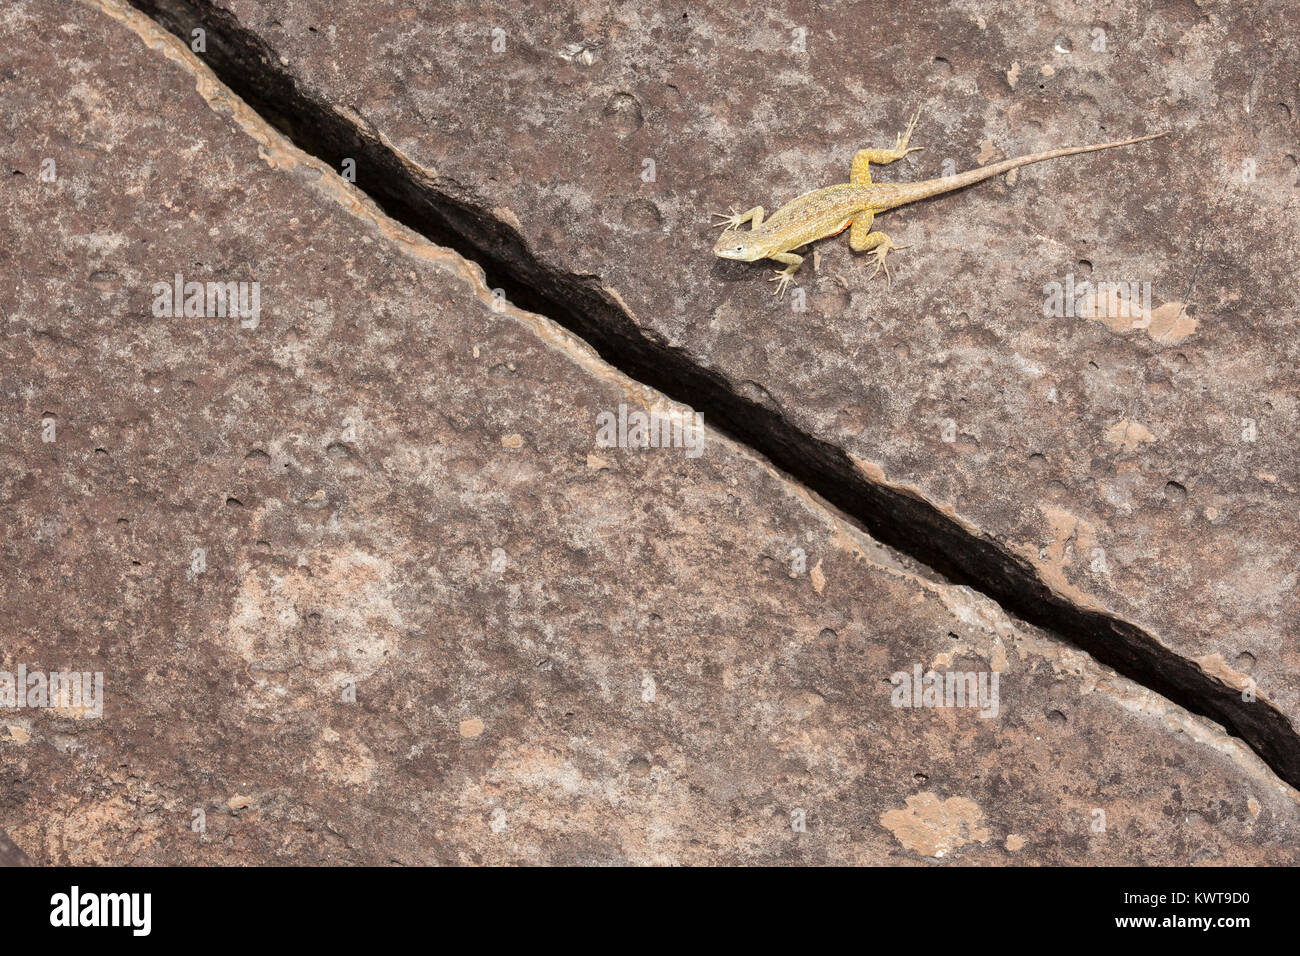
(1145, 466)
(364, 588)
(10, 854)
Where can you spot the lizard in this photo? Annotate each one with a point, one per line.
(829, 211)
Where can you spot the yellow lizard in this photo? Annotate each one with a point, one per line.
(829, 211)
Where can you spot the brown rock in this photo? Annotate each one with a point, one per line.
(300, 555)
(952, 389)
(10, 854)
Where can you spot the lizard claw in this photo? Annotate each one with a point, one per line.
(783, 279)
(881, 251)
(902, 139)
(732, 221)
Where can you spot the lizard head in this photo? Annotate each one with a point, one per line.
(738, 246)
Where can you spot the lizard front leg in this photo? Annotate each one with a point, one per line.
(785, 276)
(861, 174)
(862, 239)
(737, 219)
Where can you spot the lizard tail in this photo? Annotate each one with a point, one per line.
(933, 187)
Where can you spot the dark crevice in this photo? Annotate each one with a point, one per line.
(439, 211)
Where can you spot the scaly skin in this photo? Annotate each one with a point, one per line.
(832, 209)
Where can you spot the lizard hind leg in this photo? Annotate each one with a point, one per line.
(860, 173)
(862, 239)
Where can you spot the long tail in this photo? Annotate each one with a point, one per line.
(911, 192)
